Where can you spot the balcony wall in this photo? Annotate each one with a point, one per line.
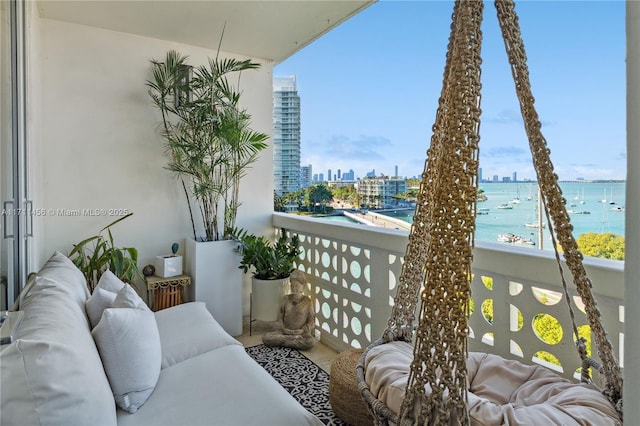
(353, 271)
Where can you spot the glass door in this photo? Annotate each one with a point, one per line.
(15, 219)
(6, 165)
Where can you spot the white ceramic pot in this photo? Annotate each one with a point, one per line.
(217, 280)
(265, 298)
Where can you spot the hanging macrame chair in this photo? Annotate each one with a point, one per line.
(443, 382)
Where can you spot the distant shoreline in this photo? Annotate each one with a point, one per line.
(565, 181)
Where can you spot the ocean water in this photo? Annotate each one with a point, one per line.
(604, 216)
(604, 203)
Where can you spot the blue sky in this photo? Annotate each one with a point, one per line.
(369, 89)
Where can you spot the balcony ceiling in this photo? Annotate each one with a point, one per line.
(271, 30)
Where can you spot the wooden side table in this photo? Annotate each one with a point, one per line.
(166, 292)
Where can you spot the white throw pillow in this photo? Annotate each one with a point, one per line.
(100, 300)
(109, 281)
(129, 345)
(189, 330)
(128, 298)
(103, 296)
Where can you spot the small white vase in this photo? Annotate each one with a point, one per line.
(266, 296)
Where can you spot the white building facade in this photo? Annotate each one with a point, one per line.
(381, 192)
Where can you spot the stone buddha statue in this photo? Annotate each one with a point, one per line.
(296, 317)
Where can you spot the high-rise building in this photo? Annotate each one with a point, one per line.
(305, 175)
(515, 176)
(479, 174)
(350, 175)
(329, 175)
(286, 135)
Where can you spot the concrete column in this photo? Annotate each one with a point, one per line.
(632, 227)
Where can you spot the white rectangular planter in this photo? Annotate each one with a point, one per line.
(217, 280)
(168, 266)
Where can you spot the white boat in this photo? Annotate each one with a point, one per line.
(525, 241)
(536, 220)
(507, 238)
(617, 209)
(533, 225)
(515, 239)
(604, 197)
(530, 196)
(504, 207)
(516, 199)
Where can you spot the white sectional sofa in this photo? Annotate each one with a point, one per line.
(133, 367)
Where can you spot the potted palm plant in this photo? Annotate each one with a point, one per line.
(98, 253)
(207, 136)
(272, 262)
(210, 146)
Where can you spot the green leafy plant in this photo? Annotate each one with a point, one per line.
(207, 135)
(607, 245)
(96, 254)
(270, 259)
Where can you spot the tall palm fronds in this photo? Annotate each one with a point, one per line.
(207, 135)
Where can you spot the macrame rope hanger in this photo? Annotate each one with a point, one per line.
(437, 263)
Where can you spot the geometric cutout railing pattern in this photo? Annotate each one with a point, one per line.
(530, 322)
(518, 307)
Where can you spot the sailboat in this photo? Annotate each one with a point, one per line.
(530, 196)
(537, 217)
(604, 196)
(516, 199)
(537, 223)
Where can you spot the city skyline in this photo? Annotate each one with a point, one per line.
(369, 89)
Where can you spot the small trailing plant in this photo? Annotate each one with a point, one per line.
(96, 254)
(270, 259)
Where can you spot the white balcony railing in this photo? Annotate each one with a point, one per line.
(353, 271)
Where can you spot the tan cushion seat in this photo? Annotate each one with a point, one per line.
(501, 391)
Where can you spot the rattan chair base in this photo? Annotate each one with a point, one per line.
(345, 399)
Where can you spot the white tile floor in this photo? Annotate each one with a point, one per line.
(320, 354)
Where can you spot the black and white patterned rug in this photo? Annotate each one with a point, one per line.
(304, 380)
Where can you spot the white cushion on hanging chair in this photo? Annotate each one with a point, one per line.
(501, 391)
